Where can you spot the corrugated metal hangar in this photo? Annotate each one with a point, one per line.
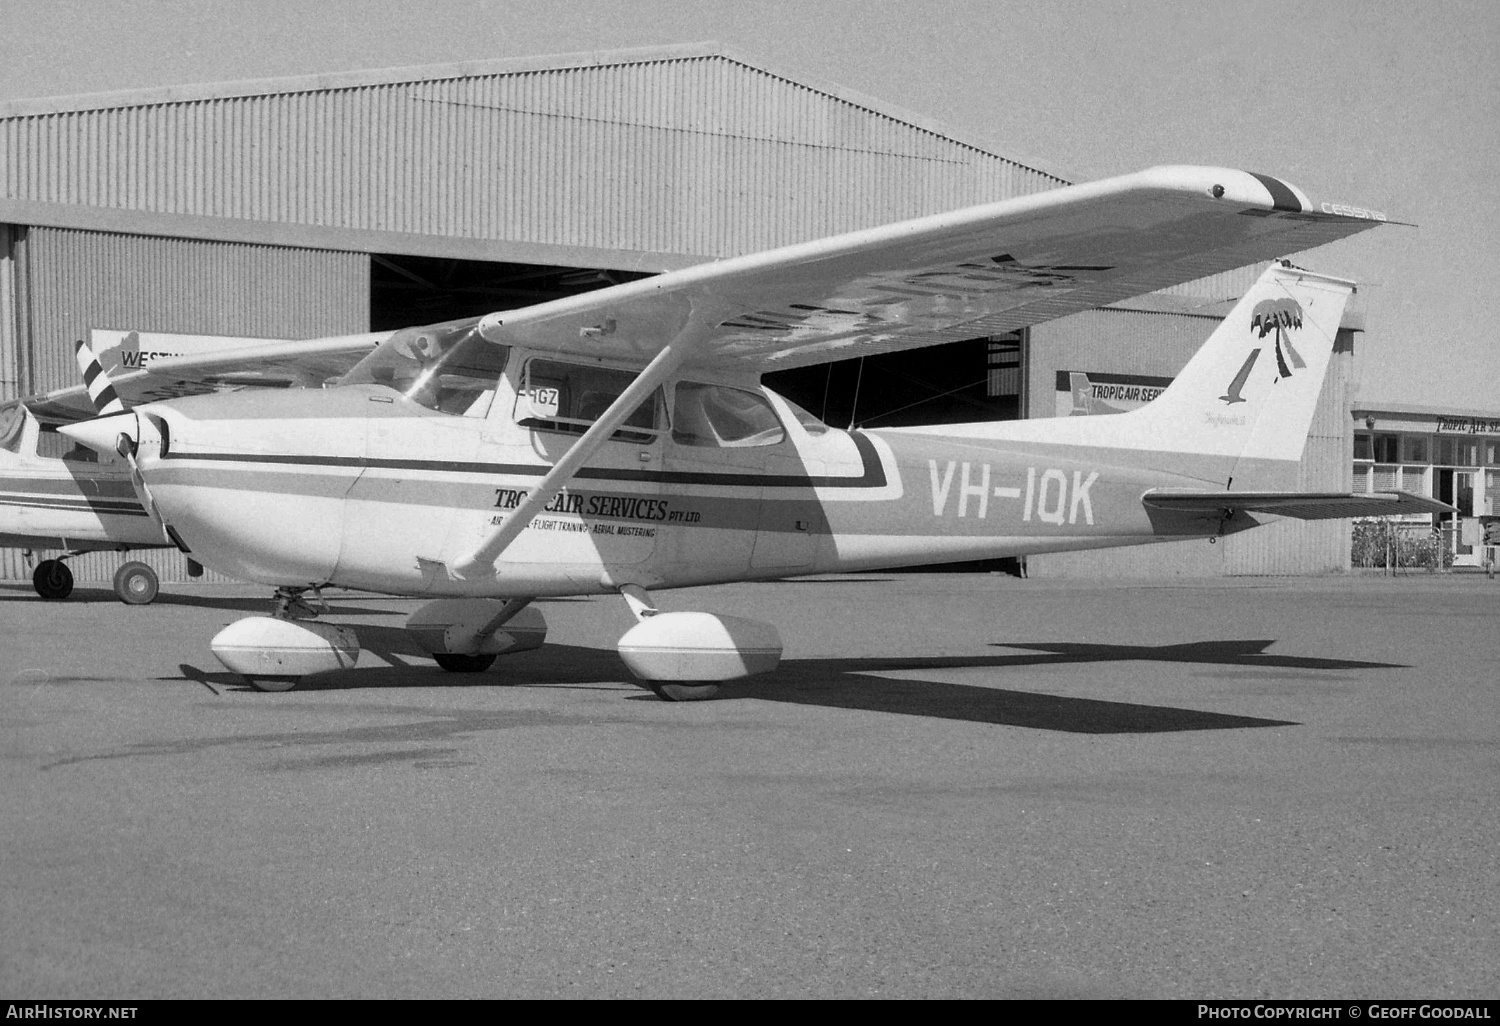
(333, 204)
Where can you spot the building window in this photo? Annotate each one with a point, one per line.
(1364, 446)
(1413, 448)
(1362, 479)
(1387, 448)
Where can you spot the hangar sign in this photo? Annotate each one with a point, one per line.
(1086, 393)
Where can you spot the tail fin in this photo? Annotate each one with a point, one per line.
(1245, 400)
(101, 392)
(1250, 392)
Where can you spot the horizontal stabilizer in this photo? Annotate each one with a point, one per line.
(1301, 505)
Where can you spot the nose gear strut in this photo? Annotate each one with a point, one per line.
(289, 604)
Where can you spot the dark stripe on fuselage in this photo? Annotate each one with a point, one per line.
(103, 487)
(872, 473)
(1282, 198)
(75, 505)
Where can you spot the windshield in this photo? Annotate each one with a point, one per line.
(446, 367)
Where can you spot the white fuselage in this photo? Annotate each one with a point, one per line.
(360, 487)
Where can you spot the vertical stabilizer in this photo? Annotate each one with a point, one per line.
(1250, 392)
(1245, 400)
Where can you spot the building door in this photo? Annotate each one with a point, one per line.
(1462, 532)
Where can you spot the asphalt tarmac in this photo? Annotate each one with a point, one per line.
(955, 786)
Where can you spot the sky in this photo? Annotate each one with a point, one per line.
(1393, 106)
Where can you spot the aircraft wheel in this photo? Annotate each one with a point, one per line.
(455, 663)
(272, 683)
(136, 583)
(682, 691)
(52, 579)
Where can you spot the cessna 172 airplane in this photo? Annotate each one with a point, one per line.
(84, 501)
(621, 441)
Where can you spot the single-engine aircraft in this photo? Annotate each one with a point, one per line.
(621, 441)
(84, 501)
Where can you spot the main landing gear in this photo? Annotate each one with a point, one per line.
(135, 583)
(682, 657)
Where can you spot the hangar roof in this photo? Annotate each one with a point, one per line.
(643, 159)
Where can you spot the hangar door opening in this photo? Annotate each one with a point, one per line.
(410, 290)
(974, 380)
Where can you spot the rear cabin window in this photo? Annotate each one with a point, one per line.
(568, 398)
(722, 417)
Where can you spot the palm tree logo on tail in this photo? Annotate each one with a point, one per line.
(1281, 315)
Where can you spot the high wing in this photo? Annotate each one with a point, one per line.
(973, 272)
(1301, 505)
(979, 271)
(264, 364)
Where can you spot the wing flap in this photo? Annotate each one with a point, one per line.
(1300, 505)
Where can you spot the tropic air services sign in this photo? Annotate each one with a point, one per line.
(1085, 393)
(1468, 426)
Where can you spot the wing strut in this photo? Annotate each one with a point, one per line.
(697, 329)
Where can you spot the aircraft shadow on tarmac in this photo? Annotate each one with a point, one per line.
(849, 683)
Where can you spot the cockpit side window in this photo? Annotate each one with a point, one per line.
(722, 417)
(569, 397)
(447, 367)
